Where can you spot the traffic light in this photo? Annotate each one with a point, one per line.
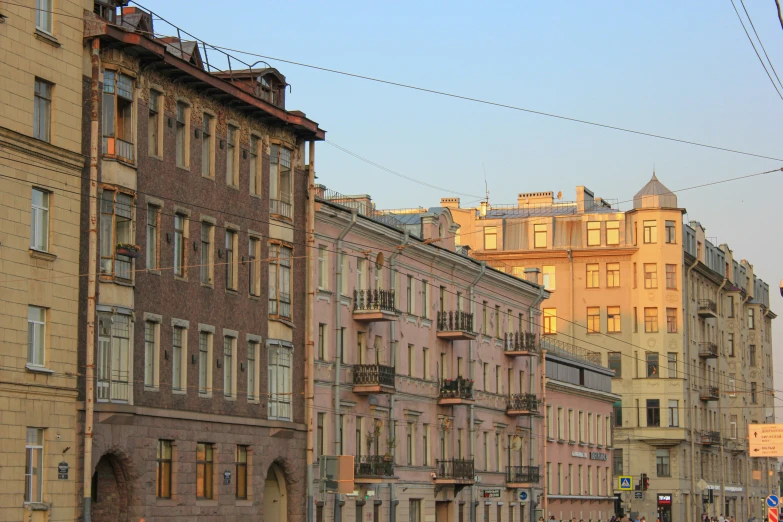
(645, 482)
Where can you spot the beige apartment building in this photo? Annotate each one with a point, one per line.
(685, 325)
(40, 168)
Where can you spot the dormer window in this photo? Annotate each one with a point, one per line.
(268, 91)
(106, 10)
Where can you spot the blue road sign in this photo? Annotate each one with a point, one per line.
(773, 501)
(523, 496)
(625, 483)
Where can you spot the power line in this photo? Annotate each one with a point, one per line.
(760, 42)
(756, 50)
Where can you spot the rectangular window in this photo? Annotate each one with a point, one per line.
(612, 275)
(414, 510)
(539, 236)
(409, 443)
(410, 360)
(153, 237)
(731, 306)
(151, 354)
(207, 146)
(752, 354)
(117, 124)
(612, 232)
(322, 342)
(179, 245)
(183, 135)
(42, 110)
(207, 266)
(650, 232)
(241, 472)
(177, 377)
(163, 463)
(550, 320)
(39, 220)
(490, 238)
(232, 156)
(116, 231)
(650, 275)
(484, 319)
(204, 362)
(618, 461)
(549, 277)
(319, 431)
(613, 321)
(204, 468)
(733, 427)
(671, 277)
(155, 124)
(33, 465)
(229, 376)
(653, 369)
(616, 363)
(252, 370)
(279, 379)
(254, 266)
(593, 233)
(662, 462)
(732, 385)
(671, 232)
(651, 320)
(280, 182)
(280, 280)
(635, 320)
(358, 436)
(255, 165)
(425, 298)
(617, 413)
(672, 363)
(231, 260)
(409, 294)
(581, 426)
(593, 319)
(653, 412)
(560, 424)
(113, 361)
(497, 321)
(43, 17)
(36, 336)
(674, 413)
(752, 318)
(322, 268)
(592, 278)
(730, 342)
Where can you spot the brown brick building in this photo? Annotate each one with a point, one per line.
(201, 200)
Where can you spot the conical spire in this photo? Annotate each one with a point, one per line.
(654, 195)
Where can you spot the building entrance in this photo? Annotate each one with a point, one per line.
(665, 507)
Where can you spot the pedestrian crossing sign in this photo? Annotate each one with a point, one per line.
(625, 483)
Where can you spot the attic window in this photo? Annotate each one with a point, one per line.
(268, 91)
(106, 9)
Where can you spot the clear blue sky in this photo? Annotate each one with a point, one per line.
(682, 69)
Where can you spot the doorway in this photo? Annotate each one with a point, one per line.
(442, 511)
(275, 498)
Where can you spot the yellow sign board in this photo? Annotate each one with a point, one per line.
(765, 440)
(624, 483)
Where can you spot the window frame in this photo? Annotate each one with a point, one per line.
(540, 233)
(152, 257)
(110, 386)
(207, 253)
(279, 405)
(34, 454)
(182, 134)
(151, 354)
(548, 278)
(593, 230)
(44, 16)
(662, 462)
(650, 228)
(233, 137)
(650, 322)
(671, 232)
(205, 465)
(180, 245)
(208, 127)
(490, 238)
(241, 458)
(229, 366)
(593, 319)
(155, 131)
(254, 265)
(653, 409)
(612, 275)
(280, 202)
(671, 320)
(671, 276)
(178, 359)
(205, 349)
(614, 227)
(253, 370)
(113, 258)
(164, 460)
(40, 213)
(232, 261)
(549, 321)
(613, 319)
(43, 95)
(36, 329)
(592, 275)
(255, 152)
(118, 125)
(614, 361)
(650, 276)
(652, 365)
(277, 273)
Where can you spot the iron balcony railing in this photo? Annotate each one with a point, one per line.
(457, 388)
(454, 469)
(571, 351)
(521, 342)
(455, 320)
(708, 349)
(710, 437)
(522, 402)
(373, 466)
(279, 207)
(370, 374)
(523, 474)
(708, 305)
(373, 300)
(710, 392)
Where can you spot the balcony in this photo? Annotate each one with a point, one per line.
(455, 325)
(709, 393)
(521, 404)
(708, 438)
(708, 308)
(455, 391)
(522, 476)
(708, 350)
(374, 305)
(454, 471)
(372, 469)
(281, 207)
(520, 344)
(373, 378)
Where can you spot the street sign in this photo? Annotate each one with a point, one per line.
(624, 483)
(765, 440)
(638, 495)
(491, 493)
(773, 501)
(62, 471)
(772, 514)
(523, 496)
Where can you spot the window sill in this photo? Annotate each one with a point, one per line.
(183, 167)
(208, 285)
(153, 271)
(244, 502)
(232, 186)
(257, 196)
(180, 278)
(125, 161)
(155, 157)
(231, 291)
(38, 369)
(278, 217)
(230, 398)
(47, 38)
(207, 395)
(40, 254)
(179, 392)
(254, 297)
(151, 389)
(37, 506)
(207, 177)
(283, 320)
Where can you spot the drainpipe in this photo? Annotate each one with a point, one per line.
(95, 58)
(309, 341)
(747, 458)
(533, 309)
(689, 395)
(393, 362)
(472, 359)
(720, 421)
(338, 286)
(545, 474)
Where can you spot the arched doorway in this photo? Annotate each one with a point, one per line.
(275, 497)
(110, 490)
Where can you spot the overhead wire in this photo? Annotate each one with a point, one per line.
(760, 42)
(756, 50)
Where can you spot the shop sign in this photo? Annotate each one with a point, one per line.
(580, 454)
(491, 493)
(596, 455)
(665, 498)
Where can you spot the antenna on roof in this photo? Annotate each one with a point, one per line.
(486, 187)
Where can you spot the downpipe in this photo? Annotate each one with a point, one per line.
(471, 428)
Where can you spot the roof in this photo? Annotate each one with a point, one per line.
(654, 194)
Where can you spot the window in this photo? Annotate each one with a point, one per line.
(232, 156)
(33, 465)
(39, 221)
(653, 412)
(650, 275)
(425, 298)
(497, 321)
(155, 124)
(255, 165)
(613, 319)
(320, 443)
(618, 461)
(732, 385)
(560, 424)
(180, 237)
(410, 360)
(581, 426)
(612, 275)
(650, 232)
(42, 110)
(409, 443)
(252, 371)
(183, 135)
(674, 413)
(206, 261)
(322, 342)
(752, 354)
(635, 276)
(163, 469)
(43, 18)
(414, 510)
(322, 268)
(731, 344)
(490, 238)
(593, 319)
(409, 294)
(662, 462)
(550, 320)
(672, 363)
(231, 259)
(114, 352)
(36, 335)
(671, 320)
(731, 306)
(592, 278)
(539, 236)
(651, 320)
(549, 277)
(616, 363)
(752, 318)
(151, 354)
(279, 378)
(117, 110)
(254, 266)
(229, 369)
(280, 280)
(241, 472)
(207, 146)
(593, 233)
(204, 467)
(612, 232)
(116, 229)
(671, 233)
(153, 237)
(652, 365)
(733, 427)
(484, 319)
(425, 444)
(204, 362)
(177, 354)
(635, 320)
(671, 277)
(617, 413)
(280, 182)
(358, 437)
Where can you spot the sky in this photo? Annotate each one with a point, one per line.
(679, 69)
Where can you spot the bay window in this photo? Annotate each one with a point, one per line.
(279, 379)
(114, 353)
(280, 192)
(116, 229)
(117, 115)
(280, 280)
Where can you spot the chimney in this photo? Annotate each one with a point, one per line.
(531, 274)
(535, 198)
(449, 202)
(585, 199)
(483, 209)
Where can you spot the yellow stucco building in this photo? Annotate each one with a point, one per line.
(40, 182)
(685, 326)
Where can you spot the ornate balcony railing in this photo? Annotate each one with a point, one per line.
(373, 466)
(373, 374)
(373, 300)
(710, 437)
(522, 474)
(457, 388)
(454, 469)
(709, 393)
(708, 349)
(521, 342)
(522, 402)
(708, 306)
(563, 349)
(279, 207)
(455, 320)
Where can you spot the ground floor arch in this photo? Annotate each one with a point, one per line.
(110, 490)
(275, 495)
